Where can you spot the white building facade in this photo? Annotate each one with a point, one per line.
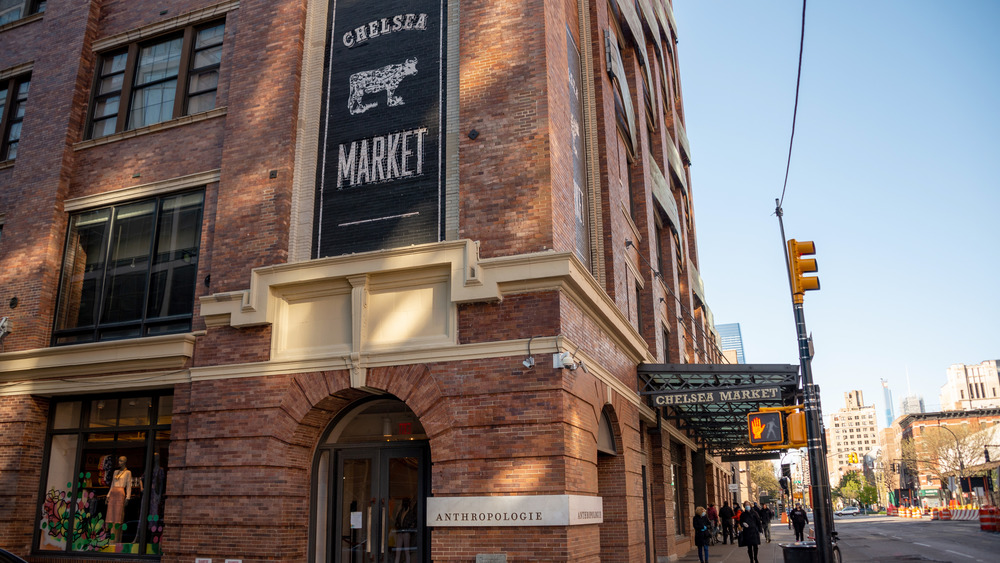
(971, 387)
(853, 430)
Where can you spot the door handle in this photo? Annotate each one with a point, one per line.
(368, 543)
(381, 529)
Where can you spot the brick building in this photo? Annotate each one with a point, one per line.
(310, 281)
(942, 456)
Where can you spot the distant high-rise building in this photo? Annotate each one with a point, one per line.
(972, 387)
(732, 339)
(887, 395)
(853, 430)
(913, 404)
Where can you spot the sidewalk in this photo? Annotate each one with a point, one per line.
(767, 552)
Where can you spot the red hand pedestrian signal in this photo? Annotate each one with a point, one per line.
(766, 428)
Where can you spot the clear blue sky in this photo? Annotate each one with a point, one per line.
(895, 175)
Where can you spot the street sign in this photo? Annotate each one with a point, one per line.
(733, 487)
(731, 394)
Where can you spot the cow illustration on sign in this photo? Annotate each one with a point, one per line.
(374, 81)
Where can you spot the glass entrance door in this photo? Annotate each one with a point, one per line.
(379, 504)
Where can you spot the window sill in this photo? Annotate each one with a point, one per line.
(23, 21)
(6, 163)
(194, 118)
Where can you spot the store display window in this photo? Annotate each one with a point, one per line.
(105, 474)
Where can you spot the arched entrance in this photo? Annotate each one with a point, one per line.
(370, 486)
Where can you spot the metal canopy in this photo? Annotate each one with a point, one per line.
(721, 425)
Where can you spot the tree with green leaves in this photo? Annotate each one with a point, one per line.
(850, 487)
(763, 480)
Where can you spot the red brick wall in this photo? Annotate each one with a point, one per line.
(22, 436)
(505, 176)
(31, 191)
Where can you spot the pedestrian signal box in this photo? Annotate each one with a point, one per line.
(766, 428)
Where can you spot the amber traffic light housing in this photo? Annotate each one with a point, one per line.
(766, 428)
(798, 266)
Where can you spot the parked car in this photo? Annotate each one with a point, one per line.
(8, 557)
(848, 511)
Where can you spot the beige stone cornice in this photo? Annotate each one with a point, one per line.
(133, 193)
(44, 370)
(471, 280)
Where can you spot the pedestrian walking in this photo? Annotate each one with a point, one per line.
(726, 514)
(799, 520)
(750, 531)
(713, 516)
(702, 533)
(766, 514)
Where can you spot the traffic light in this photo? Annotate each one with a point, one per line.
(784, 484)
(799, 266)
(766, 428)
(852, 457)
(796, 422)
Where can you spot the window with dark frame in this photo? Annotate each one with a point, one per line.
(666, 344)
(130, 270)
(104, 483)
(13, 10)
(638, 307)
(13, 99)
(658, 246)
(157, 80)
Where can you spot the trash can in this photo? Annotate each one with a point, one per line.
(800, 552)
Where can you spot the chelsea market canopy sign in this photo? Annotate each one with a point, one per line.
(713, 400)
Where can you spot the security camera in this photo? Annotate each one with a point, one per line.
(4, 326)
(563, 360)
(529, 362)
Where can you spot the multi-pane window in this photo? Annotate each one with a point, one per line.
(13, 98)
(155, 85)
(13, 10)
(105, 475)
(158, 80)
(204, 76)
(129, 270)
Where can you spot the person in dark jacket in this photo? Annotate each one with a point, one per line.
(750, 531)
(766, 514)
(799, 521)
(726, 514)
(702, 532)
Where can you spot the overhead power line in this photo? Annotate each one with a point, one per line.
(795, 111)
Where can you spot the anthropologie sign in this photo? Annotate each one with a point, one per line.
(379, 182)
(540, 510)
(718, 395)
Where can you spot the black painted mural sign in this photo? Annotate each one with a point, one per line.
(380, 181)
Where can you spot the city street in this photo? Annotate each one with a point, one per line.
(881, 538)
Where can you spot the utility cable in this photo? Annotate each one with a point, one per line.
(795, 111)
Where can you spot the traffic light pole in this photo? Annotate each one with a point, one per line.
(819, 478)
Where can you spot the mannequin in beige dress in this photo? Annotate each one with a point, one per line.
(118, 496)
